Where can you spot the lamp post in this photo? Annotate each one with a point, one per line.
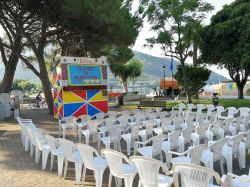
(164, 88)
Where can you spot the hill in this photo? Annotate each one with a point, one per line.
(153, 68)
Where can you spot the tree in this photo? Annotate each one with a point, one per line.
(129, 70)
(173, 21)
(49, 21)
(226, 42)
(11, 43)
(197, 77)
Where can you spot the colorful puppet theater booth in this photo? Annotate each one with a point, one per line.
(80, 87)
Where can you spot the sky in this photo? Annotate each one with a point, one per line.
(156, 51)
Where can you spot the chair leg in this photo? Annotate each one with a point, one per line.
(78, 172)
(110, 179)
(65, 168)
(37, 155)
(51, 161)
(60, 159)
(129, 181)
(221, 165)
(128, 147)
(45, 154)
(64, 133)
(84, 175)
(99, 176)
(31, 149)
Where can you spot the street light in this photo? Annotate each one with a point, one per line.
(164, 68)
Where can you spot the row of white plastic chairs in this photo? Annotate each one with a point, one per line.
(82, 154)
(222, 112)
(176, 139)
(170, 123)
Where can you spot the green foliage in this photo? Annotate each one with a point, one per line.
(226, 41)
(120, 55)
(197, 77)
(176, 22)
(24, 85)
(130, 70)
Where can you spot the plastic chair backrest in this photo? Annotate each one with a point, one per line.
(210, 108)
(109, 122)
(227, 123)
(92, 126)
(148, 170)
(134, 131)
(236, 142)
(177, 122)
(68, 147)
(216, 148)
(244, 111)
(165, 124)
(196, 153)
(186, 133)
(173, 138)
(115, 161)
(37, 139)
(190, 119)
(248, 139)
(149, 128)
(201, 118)
(30, 134)
(52, 143)
(87, 154)
(115, 133)
(190, 107)
(219, 109)
(193, 175)
(157, 141)
(231, 111)
(216, 125)
(173, 114)
(201, 130)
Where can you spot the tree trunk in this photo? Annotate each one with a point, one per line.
(185, 81)
(240, 87)
(46, 83)
(8, 77)
(125, 85)
(195, 55)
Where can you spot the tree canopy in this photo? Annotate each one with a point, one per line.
(175, 23)
(226, 42)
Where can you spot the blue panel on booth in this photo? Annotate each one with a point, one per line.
(71, 108)
(91, 93)
(92, 110)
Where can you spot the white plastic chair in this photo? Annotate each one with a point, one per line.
(148, 169)
(171, 144)
(228, 113)
(235, 146)
(219, 110)
(92, 161)
(210, 109)
(130, 138)
(214, 131)
(164, 128)
(107, 124)
(56, 150)
(199, 108)
(244, 111)
(193, 175)
(152, 150)
(41, 147)
(146, 133)
(185, 137)
(72, 155)
(199, 134)
(191, 156)
(190, 107)
(189, 120)
(232, 180)
(214, 153)
(114, 137)
(237, 125)
(224, 129)
(91, 130)
(120, 167)
(80, 122)
(67, 123)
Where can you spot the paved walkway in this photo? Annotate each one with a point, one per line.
(18, 169)
(16, 166)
